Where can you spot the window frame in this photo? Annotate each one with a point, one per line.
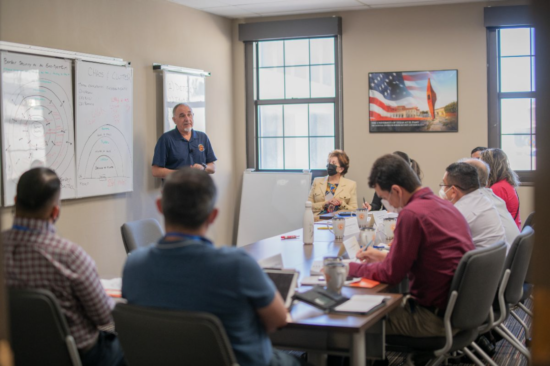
(527, 177)
(306, 31)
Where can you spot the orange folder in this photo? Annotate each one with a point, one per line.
(365, 283)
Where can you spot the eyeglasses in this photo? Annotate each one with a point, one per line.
(451, 185)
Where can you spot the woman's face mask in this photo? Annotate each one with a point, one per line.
(331, 169)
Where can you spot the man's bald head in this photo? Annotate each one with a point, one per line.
(483, 170)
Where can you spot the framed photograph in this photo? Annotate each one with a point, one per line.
(413, 101)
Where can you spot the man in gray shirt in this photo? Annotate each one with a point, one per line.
(510, 228)
(461, 187)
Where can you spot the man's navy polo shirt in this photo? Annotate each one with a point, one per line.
(173, 151)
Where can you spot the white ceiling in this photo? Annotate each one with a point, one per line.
(262, 8)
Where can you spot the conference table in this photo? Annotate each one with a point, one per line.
(312, 330)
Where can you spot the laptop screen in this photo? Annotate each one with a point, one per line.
(285, 282)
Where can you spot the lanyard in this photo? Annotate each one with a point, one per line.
(21, 228)
(186, 237)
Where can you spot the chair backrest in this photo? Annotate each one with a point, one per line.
(38, 330)
(151, 335)
(518, 259)
(476, 281)
(530, 221)
(137, 234)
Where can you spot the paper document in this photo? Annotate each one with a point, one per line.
(352, 247)
(112, 284)
(320, 280)
(352, 226)
(316, 267)
(362, 303)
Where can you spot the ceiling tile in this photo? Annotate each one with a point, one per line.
(232, 12)
(199, 4)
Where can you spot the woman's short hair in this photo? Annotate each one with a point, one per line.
(343, 159)
(499, 167)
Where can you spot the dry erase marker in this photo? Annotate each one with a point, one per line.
(325, 228)
(290, 237)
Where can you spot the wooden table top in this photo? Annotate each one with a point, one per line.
(298, 256)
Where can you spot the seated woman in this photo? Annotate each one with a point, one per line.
(334, 192)
(376, 204)
(503, 180)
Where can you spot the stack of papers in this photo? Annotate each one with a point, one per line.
(362, 304)
(112, 287)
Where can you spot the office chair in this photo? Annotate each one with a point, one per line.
(165, 337)
(137, 234)
(530, 221)
(468, 308)
(517, 262)
(38, 330)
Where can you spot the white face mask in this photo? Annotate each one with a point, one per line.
(389, 207)
(443, 194)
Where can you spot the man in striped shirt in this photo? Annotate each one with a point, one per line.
(36, 257)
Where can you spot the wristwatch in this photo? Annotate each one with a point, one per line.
(203, 166)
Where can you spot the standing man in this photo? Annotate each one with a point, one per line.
(183, 146)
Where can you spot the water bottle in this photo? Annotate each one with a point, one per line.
(308, 224)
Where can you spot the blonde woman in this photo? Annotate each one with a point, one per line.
(334, 192)
(503, 180)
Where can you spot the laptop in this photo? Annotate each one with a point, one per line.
(285, 281)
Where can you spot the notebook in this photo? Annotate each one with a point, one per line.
(285, 281)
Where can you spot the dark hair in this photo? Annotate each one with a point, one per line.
(479, 148)
(463, 176)
(37, 189)
(391, 169)
(500, 167)
(343, 159)
(188, 197)
(416, 168)
(403, 156)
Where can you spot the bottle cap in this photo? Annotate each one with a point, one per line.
(308, 204)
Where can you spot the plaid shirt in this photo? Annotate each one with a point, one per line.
(36, 257)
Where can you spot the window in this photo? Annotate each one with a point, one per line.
(295, 98)
(512, 103)
(293, 101)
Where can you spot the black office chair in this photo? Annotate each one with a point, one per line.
(140, 233)
(517, 262)
(530, 221)
(472, 292)
(38, 330)
(164, 337)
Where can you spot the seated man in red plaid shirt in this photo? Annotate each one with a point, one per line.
(36, 257)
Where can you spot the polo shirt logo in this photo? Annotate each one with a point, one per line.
(201, 147)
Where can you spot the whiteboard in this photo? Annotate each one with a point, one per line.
(104, 128)
(184, 88)
(271, 204)
(37, 120)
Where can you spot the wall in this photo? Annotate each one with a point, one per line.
(400, 39)
(143, 32)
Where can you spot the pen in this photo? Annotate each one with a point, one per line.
(379, 246)
(290, 237)
(364, 200)
(325, 228)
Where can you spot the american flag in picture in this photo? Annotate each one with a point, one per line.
(413, 101)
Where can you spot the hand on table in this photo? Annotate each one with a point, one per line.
(197, 166)
(371, 255)
(335, 202)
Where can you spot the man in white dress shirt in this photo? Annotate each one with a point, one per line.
(508, 223)
(461, 187)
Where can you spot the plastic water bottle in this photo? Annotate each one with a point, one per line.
(308, 224)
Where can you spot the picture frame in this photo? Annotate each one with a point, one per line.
(413, 101)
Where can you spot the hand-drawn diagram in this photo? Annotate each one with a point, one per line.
(105, 155)
(104, 121)
(37, 121)
(41, 129)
